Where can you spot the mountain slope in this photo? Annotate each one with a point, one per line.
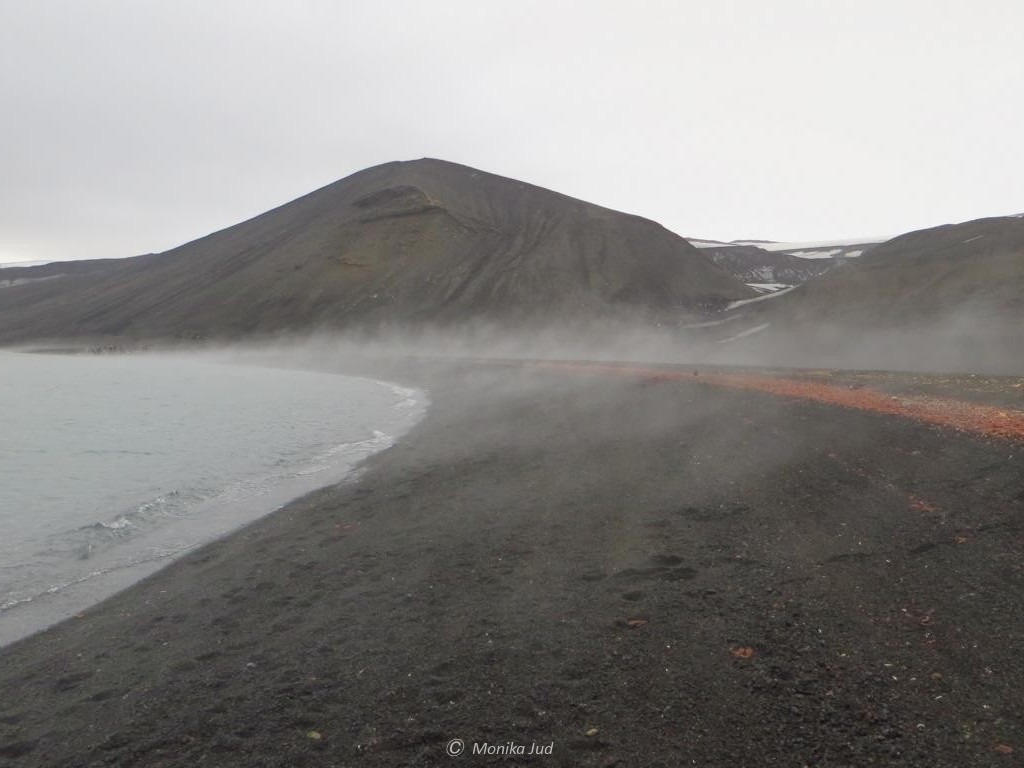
(923, 276)
(846, 248)
(948, 298)
(766, 261)
(756, 265)
(406, 242)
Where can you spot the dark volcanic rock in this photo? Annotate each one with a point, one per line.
(756, 265)
(401, 243)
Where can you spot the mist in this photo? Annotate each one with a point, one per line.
(968, 340)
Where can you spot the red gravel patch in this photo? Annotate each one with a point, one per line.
(961, 415)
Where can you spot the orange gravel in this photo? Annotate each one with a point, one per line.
(961, 415)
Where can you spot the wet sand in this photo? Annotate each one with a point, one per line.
(635, 571)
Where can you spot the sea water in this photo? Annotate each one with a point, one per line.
(111, 465)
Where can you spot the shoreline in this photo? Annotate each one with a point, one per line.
(209, 520)
(633, 571)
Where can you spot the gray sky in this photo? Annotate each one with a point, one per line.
(132, 126)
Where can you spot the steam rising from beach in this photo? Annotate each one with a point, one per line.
(983, 341)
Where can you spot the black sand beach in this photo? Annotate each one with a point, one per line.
(636, 573)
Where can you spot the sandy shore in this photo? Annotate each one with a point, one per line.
(629, 572)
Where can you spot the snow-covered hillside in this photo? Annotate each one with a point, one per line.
(818, 249)
(791, 263)
(757, 266)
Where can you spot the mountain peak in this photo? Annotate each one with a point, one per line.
(414, 241)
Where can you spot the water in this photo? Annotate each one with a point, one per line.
(112, 465)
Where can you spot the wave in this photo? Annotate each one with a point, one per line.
(407, 398)
(83, 542)
(59, 587)
(161, 524)
(357, 450)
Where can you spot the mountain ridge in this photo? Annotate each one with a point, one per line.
(406, 242)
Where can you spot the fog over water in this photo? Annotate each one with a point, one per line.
(111, 465)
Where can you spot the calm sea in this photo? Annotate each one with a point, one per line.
(112, 465)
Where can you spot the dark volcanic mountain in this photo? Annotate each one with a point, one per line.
(403, 243)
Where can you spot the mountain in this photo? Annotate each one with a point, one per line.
(949, 297)
(848, 248)
(18, 264)
(769, 263)
(424, 241)
(923, 276)
(757, 266)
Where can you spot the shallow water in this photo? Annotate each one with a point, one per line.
(112, 465)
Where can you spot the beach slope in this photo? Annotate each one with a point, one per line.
(634, 571)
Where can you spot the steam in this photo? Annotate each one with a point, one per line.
(970, 340)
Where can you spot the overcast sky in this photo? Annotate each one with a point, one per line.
(132, 126)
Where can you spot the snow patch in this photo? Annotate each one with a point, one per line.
(813, 245)
(814, 249)
(744, 334)
(710, 244)
(12, 281)
(769, 287)
(828, 254)
(765, 297)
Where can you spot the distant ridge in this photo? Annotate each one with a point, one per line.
(7, 264)
(424, 241)
(947, 298)
(924, 275)
(849, 247)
